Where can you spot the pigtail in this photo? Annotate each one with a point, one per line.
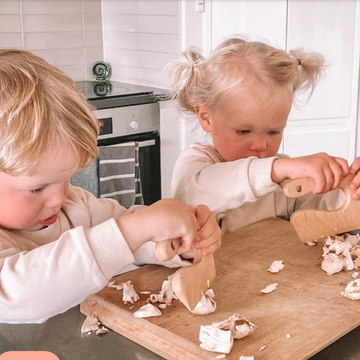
(310, 68)
(185, 78)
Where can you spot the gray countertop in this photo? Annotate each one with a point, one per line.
(61, 336)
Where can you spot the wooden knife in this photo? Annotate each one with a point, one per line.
(314, 224)
(189, 283)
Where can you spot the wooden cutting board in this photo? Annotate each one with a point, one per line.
(307, 304)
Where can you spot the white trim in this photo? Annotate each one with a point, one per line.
(116, 161)
(354, 146)
(124, 176)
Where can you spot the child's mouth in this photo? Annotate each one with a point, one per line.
(50, 220)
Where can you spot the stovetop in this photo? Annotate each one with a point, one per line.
(100, 89)
(109, 94)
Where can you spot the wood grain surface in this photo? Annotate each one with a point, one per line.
(307, 304)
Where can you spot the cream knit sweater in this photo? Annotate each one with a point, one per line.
(239, 192)
(46, 272)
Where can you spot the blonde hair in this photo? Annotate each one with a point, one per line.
(253, 67)
(40, 108)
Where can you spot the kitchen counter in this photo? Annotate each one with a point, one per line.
(61, 336)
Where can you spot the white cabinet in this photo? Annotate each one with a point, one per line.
(328, 122)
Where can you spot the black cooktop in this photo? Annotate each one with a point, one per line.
(98, 89)
(106, 94)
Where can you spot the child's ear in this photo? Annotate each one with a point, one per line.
(204, 117)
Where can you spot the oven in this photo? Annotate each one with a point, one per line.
(127, 114)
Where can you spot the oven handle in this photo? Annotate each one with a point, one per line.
(146, 143)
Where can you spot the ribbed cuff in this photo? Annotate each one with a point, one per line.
(109, 247)
(260, 176)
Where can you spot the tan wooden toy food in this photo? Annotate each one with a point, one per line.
(314, 224)
(190, 282)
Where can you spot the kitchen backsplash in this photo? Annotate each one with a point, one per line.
(67, 33)
(137, 37)
(140, 38)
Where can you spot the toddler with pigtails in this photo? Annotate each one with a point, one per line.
(242, 94)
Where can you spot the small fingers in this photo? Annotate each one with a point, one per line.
(340, 171)
(355, 166)
(202, 213)
(355, 186)
(320, 182)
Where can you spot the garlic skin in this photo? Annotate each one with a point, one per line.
(147, 310)
(116, 286)
(102, 330)
(352, 290)
(239, 326)
(276, 266)
(219, 336)
(221, 356)
(129, 293)
(165, 295)
(242, 357)
(332, 264)
(340, 252)
(91, 323)
(269, 288)
(206, 305)
(215, 339)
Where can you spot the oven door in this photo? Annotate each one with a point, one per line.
(149, 161)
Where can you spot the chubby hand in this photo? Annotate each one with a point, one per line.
(208, 236)
(163, 220)
(327, 171)
(355, 183)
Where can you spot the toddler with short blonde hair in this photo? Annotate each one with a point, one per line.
(58, 243)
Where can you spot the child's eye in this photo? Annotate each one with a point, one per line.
(275, 132)
(243, 132)
(39, 190)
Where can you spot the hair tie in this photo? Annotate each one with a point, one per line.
(195, 62)
(299, 61)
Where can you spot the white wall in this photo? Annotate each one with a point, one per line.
(140, 38)
(67, 33)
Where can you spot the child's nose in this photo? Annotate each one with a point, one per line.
(57, 198)
(259, 144)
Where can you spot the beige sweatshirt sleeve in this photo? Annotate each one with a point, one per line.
(200, 177)
(42, 277)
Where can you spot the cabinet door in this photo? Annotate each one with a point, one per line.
(261, 20)
(327, 122)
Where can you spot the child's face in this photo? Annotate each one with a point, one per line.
(31, 202)
(241, 129)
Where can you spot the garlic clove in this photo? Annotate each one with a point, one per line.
(147, 310)
(129, 293)
(206, 305)
(352, 290)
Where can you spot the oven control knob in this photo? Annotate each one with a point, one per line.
(134, 125)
